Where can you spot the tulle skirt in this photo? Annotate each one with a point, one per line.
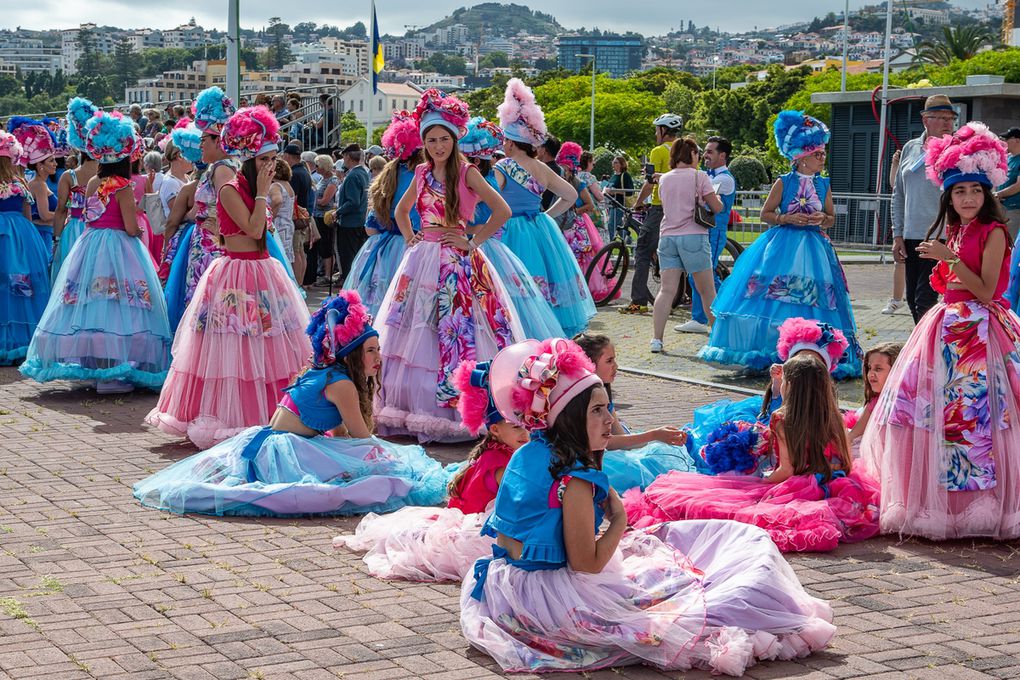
(708, 594)
(420, 544)
(24, 284)
(710, 416)
(585, 242)
(73, 230)
(536, 314)
(267, 472)
(629, 468)
(786, 272)
(106, 319)
(274, 246)
(540, 245)
(444, 306)
(801, 514)
(240, 342)
(374, 267)
(944, 439)
(194, 252)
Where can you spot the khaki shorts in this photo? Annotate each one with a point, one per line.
(300, 240)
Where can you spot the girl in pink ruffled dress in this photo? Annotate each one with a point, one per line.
(445, 305)
(241, 340)
(812, 500)
(944, 437)
(442, 544)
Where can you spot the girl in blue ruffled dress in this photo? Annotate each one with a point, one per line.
(106, 321)
(531, 234)
(69, 222)
(791, 270)
(378, 259)
(24, 268)
(38, 158)
(292, 466)
(479, 145)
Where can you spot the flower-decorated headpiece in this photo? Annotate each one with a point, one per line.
(79, 111)
(138, 152)
(475, 405)
(799, 135)
(59, 132)
(10, 147)
(109, 137)
(37, 142)
(532, 381)
(570, 155)
(401, 138)
(483, 139)
(797, 333)
(339, 327)
(189, 140)
(972, 154)
(250, 132)
(520, 116)
(438, 108)
(211, 110)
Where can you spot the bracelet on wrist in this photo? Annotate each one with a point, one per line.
(262, 197)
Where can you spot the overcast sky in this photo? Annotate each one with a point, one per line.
(613, 15)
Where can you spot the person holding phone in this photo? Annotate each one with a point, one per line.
(667, 127)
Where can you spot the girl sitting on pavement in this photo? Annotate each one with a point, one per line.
(878, 363)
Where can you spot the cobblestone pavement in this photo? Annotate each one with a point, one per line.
(93, 585)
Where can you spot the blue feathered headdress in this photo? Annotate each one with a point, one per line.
(338, 327)
(189, 140)
(79, 111)
(799, 135)
(211, 109)
(483, 139)
(736, 446)
(110, 137)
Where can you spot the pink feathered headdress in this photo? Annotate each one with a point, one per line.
(438, 108)
(797, 333)
(570, 155)
(10, 147)
(972, 154)
(475, 405)
(250, 132)
(520, 115)
(36, 142)
(401, 138)
(532, 381)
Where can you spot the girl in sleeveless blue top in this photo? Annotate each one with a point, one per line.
(377, 260)
(531, 234)
(555, 595)
(789, 271)
(292, 466)
(24, 273)
(480, 144)
(69, 222)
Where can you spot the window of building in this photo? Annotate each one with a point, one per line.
(361, 106)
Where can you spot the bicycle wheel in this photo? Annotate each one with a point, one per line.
(733, 249)
(611, 264)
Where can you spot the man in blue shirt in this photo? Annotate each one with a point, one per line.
(1009, 192)
(717, 156)
(352, 209)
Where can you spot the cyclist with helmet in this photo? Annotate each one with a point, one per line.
(667, 128)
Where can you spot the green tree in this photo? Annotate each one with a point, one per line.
(9, 85)
(352, 130)
(749, 172)
(494, 60)
(483, 102)
(446, 64)
(618, 118)
(543, 64)
(88, 62)
(956, 42)
(58, 83)
(657, 80)
(725, 75)
(680, 99)
(279, 48)
(125, 66)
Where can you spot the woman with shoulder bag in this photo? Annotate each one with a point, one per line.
(683, 237)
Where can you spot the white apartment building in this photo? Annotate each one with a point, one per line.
(29, 55)
(70, 52)
(932, 17)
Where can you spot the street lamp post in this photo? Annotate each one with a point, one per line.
(591, 124)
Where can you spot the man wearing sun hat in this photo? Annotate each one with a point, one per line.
(916, 204)
(1009, 193)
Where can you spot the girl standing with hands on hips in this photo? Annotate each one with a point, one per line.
(943, 437)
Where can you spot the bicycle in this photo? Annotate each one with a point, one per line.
(613, 260)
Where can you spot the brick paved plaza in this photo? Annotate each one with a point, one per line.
(92, 585)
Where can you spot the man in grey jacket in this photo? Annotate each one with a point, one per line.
(351, 210)
(916, 204)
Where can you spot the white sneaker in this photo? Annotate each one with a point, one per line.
(114, 387)
(893, 305)
(691, 326)
(655, 346)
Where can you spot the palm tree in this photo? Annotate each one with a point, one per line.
(956, 43)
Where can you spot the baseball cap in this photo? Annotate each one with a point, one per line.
(292, 149)
(1012, 133)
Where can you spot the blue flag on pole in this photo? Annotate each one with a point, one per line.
(378, 60)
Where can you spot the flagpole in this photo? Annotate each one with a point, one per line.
(371, 78)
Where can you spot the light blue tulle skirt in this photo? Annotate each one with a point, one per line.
(265, 472)
(540, 246)
(1013, 292)
(275, 249)
(536, 314)
(629, 468)
(106, 318)
(710, 416)
(68, 237)
(787, 272)
(24, 284)
(374, 267)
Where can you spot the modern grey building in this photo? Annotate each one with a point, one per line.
(614, 54)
